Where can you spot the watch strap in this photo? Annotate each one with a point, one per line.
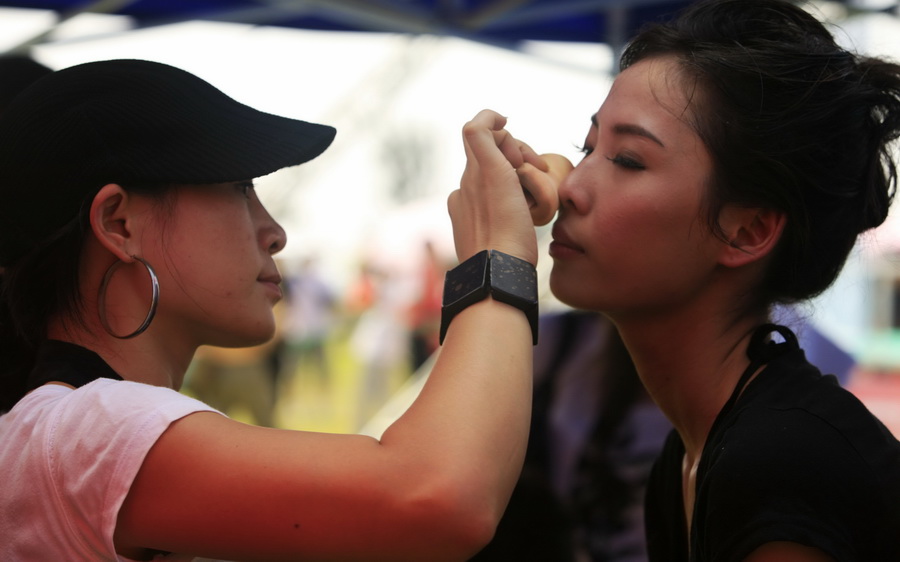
(505, 278)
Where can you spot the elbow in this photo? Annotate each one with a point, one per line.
(470, 529)
(458, 518)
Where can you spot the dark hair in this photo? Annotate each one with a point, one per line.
(793, 122)
(42, 285)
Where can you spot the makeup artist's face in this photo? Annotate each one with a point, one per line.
(214, 256)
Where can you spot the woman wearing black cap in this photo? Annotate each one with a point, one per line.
(737, 158)
(130, 235)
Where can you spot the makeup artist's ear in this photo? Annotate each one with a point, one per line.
(752, 233)
(111, 221)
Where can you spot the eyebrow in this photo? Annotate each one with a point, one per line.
(630, 129)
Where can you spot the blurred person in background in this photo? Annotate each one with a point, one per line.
(379, 341)
(425, 312)
(309, 320)
(594, 436)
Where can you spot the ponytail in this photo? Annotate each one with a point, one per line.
(16, 356)
(41, 285)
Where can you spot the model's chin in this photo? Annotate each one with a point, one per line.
(563, 287)
(576, 291)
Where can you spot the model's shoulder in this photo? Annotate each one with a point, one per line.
(838, 444)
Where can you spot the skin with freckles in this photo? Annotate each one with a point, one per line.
(218, 252)
(219, 276)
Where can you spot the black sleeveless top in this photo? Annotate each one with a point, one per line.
(794, 457)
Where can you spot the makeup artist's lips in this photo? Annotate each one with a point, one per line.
(273, 284)
(563, 246)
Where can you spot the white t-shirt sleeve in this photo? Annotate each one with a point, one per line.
(95, 445)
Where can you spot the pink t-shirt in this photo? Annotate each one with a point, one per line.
(67, 460)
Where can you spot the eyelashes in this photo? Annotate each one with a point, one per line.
(626, 162)
(621, 160)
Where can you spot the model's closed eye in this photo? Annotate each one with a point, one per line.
(626, 162)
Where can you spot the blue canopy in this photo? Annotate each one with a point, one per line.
(503, 22)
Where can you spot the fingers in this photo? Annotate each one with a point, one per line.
(489, 211)
(533, 158)
(542, 186)
(510, 147)
(480, 138)
(541, 193)
(490, 206)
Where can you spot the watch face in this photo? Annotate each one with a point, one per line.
(514, 277)
(467, 280)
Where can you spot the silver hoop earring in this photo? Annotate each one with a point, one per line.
(154, 300)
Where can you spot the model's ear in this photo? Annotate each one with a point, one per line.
(752, 233)
(111, 221)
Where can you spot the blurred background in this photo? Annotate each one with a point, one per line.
(369, 236)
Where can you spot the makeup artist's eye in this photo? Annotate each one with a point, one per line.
(626, 162)
(245, 187)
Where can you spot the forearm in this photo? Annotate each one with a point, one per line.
(465, 435)
(470, 422)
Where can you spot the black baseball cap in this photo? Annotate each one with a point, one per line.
(131, 122)
(17, 72)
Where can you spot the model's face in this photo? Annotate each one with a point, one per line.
(214, 257)
(630, 236)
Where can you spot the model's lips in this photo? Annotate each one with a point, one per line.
(563, 246)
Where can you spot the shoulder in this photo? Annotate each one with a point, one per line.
(95, 437)
(111, 405)
(78, 452)
(801, 461)
(105, 422)
(824, 439)
(792, 419)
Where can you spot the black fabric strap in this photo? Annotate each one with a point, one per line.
(59, 361)
(760, 351)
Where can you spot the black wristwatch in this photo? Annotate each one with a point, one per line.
(503, 277)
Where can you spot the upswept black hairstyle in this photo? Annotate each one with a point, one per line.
(793, 122)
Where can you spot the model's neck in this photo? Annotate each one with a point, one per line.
(689, 372)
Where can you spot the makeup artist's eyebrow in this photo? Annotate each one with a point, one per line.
(629, 129)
